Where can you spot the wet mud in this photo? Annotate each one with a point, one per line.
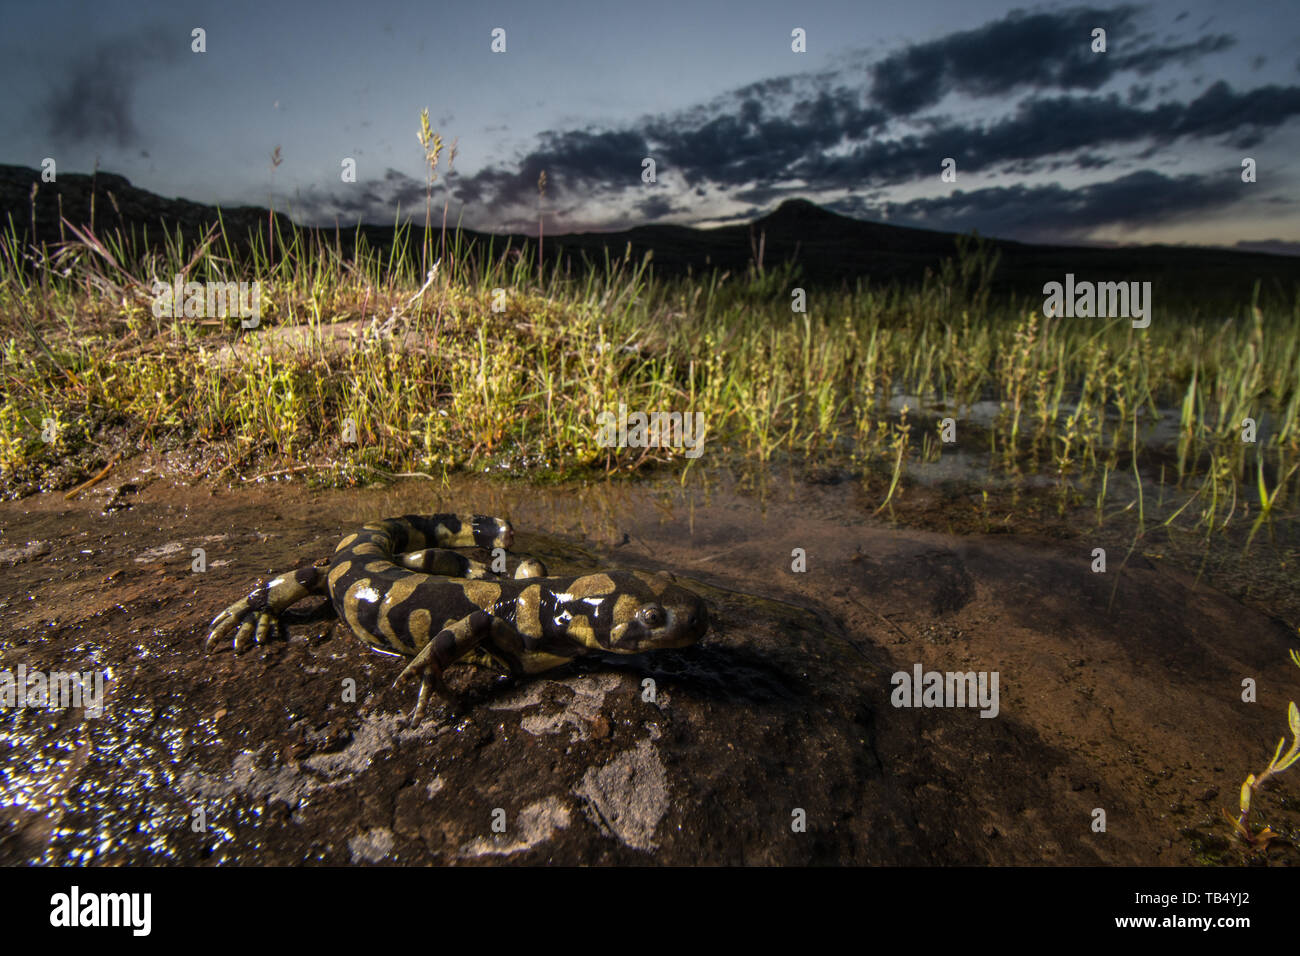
(776, 740)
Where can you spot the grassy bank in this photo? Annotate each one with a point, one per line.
(448, 373)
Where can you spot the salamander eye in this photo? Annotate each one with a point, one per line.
(652, 615)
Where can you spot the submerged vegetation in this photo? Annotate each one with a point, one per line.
(1253, 784)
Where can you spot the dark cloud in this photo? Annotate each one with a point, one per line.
(657, 207)
(370, 201)
(1054, 126)
(751, 144)
(92, 99)
(755, 142)
(1052, 213)
(1038, 50)
(1091, 161)
(575, 161)
(1137, 95)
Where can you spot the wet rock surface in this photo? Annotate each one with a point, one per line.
(774, 741)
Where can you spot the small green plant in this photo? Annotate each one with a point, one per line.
(1281, 761)
(432, 144)
(446, 198)
(899, 443)
(541, 197)
(1267, 498)
(13, 443)
(276, 160)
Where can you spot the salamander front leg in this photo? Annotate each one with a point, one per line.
(445, 648)
(256, 618)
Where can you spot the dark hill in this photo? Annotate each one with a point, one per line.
(830, 249)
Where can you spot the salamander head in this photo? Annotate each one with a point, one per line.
(667, 616)
(636, 611)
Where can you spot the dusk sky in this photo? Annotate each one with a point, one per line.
(1053, 142)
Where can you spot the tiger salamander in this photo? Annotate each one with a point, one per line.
(399, 591)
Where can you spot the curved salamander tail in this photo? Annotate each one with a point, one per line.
(463, 530)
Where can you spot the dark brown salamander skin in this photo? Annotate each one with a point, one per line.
(379, 583)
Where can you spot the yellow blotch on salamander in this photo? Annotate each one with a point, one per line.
(592, 585)
(398, 593)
